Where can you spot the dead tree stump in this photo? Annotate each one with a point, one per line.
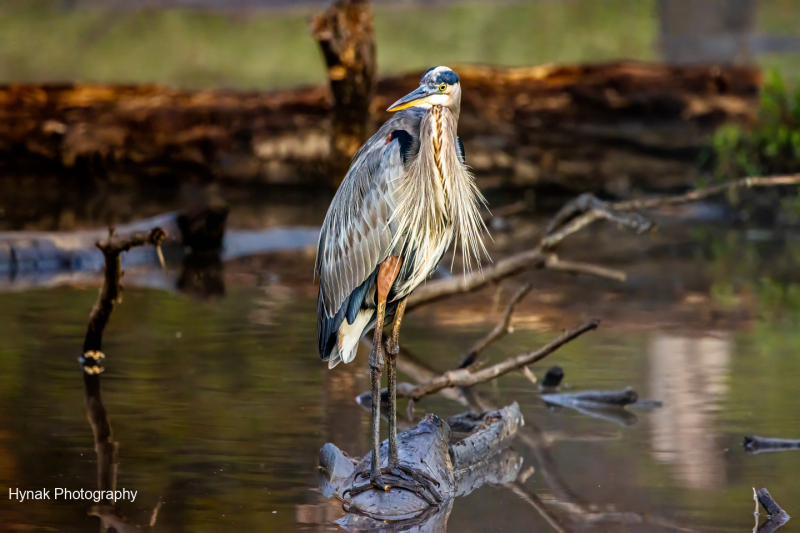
(345, 35)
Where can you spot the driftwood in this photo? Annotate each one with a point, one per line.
(105, 446)
(776, 516)
(753, 444)
(578, 511)
(605, 405)
(611, 126)
(459, 469)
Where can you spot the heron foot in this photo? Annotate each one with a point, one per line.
(400, 477)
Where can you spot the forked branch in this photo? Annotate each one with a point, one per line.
(465, 378)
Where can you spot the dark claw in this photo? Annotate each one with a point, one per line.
(401, 477)
(411, 472)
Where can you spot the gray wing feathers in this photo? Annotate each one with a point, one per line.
(355, 237)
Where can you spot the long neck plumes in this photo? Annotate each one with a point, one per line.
(437, 201)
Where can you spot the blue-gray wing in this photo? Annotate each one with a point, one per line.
(356, 234)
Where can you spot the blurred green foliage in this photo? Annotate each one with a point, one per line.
(772, 145)
(41, 40)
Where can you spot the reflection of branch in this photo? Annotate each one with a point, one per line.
(464, 378)
(499, 331)
(534, 501)
(576, 507)
(104, 444)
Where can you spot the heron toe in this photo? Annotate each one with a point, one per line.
(400, 477)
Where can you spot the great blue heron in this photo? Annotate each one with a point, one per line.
(407, 196)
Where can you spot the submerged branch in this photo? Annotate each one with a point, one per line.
(464, 378)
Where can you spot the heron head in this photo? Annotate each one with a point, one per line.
(438, 86)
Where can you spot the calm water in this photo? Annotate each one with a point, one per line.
(220, 405)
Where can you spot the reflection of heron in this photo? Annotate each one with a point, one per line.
(406, 196)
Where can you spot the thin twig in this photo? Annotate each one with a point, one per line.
(464, 378)
(573, 267)
(499, 331)
(699, 194)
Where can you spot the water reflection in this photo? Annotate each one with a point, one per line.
(106, 448)
(690, 376)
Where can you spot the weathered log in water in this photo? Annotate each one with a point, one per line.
(612, 126)
(753, 444)
(776, 516)
(605, 405)
(36, 258)
(459, 469)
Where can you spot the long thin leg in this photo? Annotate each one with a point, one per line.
(376, 370)
(387, 273)
(397, 475)
(392, 349)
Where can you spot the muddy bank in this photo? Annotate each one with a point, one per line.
(617, 126)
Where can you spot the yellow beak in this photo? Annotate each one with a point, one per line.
(414, 98)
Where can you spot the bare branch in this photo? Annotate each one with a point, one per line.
(504, 268)
(499, 331)
(110, 292)
(699, 194)
(569, 220)
(554, 263)
(464, 378)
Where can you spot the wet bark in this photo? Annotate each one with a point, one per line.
(777, 517)
(612, 127)
(346, 37)
(460, 468)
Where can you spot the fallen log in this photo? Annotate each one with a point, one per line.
(605, 405)
(612, 126)
(41, 259)
(753, 444)
(481, 457)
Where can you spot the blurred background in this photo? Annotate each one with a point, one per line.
(221, 122)
(265, 44)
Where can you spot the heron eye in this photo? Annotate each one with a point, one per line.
(442, 87)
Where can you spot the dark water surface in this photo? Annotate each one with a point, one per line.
(219, 406)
